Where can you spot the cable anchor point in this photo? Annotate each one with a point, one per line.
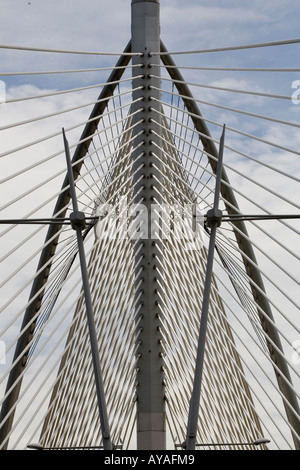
(77, 219)
(213, 216)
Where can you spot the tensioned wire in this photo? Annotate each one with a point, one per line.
(251, 354)
(52, 370)
(229, 128)
(178, 397)
(62, 171)
(30, 280)
(258, 227)
(227, 108)
(43, 268)
(251, 158)
(231, 48)
(65, 397)
(171, 333)
(254, 375)
(199, 51)
(62, 263)
(259, 364)
(274, 306)
(96, 149)
(65, 51)
(248, 332)
(60, 252)
(238, 250)
(72, 90)
(71, 109)
(156, 189)
(183, 311)
(109, 266)
(236, 271)
(226, 69)
(53, 72)
(124, 67)
(193, 161)
(47, 263)
(274, 261)
(57, 113)
(272, 282)
(256, 46)
(282, 333)
(239, 272)
(183, 420)
(250, 200)
(248, 294)
(53, 289)
(17, 149)
(108, 157)
(82, 176)
(243, 195)
(58, 133)
(232, 90)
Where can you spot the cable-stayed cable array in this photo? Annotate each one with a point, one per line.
(241, 400)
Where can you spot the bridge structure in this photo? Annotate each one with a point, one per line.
(150, 263)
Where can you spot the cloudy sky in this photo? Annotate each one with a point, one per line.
(98, 24)
(102, 25)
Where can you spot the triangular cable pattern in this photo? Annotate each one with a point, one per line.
(111, 273)
(146, 142)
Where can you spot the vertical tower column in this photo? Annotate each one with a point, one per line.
(151, 428)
